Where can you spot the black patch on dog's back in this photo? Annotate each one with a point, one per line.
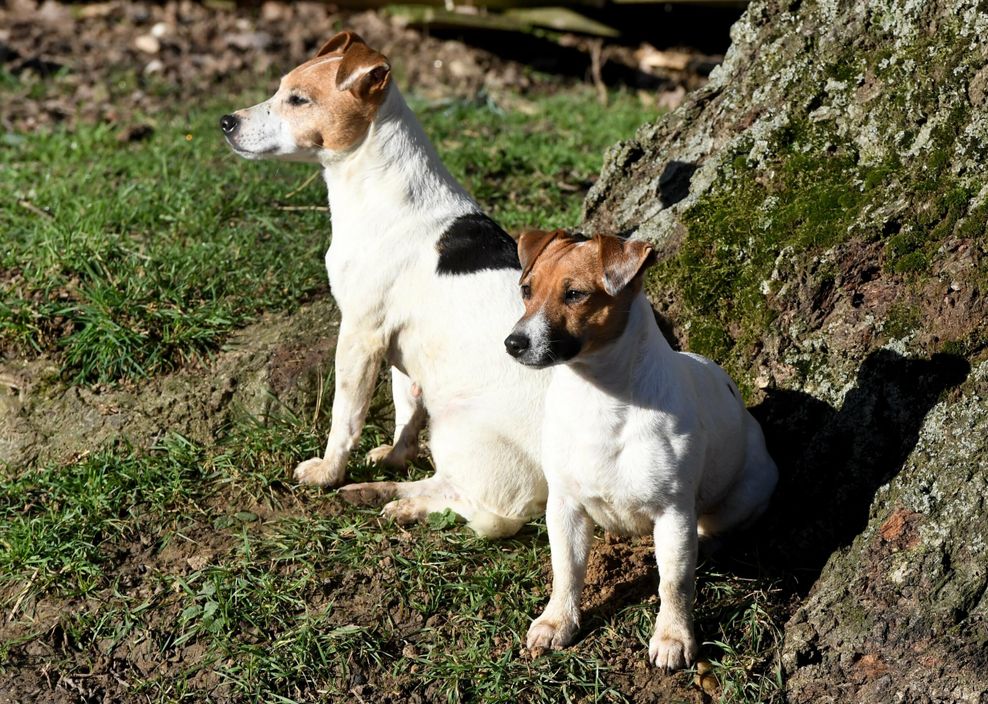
(473, 243)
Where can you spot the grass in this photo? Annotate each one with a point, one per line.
(191, 572)
(128, 259)
(261, 590)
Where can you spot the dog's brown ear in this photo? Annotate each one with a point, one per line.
(339, 43)
(622, 261)
(531, 244)
(364, 72)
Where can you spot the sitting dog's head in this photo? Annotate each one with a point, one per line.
(323, 107)
(577, 294)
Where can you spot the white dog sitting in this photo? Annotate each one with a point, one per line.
(425, 282)
(637, 437)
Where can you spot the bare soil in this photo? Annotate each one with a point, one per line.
(120, 62)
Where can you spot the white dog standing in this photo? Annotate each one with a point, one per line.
(424, 281)
(637, 437)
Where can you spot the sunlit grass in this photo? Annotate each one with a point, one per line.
(127, 259)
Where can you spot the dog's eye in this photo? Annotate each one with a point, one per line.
(573, 296)
(296, 100)
(526, 291)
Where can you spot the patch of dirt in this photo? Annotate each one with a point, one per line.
(280, 360)
(52, 667)
(121, 62)
(620, 571)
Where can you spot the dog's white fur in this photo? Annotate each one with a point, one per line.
(641, 439)
(391, 198)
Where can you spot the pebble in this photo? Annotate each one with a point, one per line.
(148, 43)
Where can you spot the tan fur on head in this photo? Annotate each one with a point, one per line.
(345, 93)
(582, 287)
(339, 43)
(530, 246)
(326, 104)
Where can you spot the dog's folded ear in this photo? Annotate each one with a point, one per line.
(622, 261)
(339, 43)
(531, 244)
(364, 72)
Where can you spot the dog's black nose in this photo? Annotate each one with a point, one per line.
(229, 124)
(516, 344)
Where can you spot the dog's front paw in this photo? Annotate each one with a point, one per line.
(549, 634)
(672, 648)
(320, 472)
(396, 456)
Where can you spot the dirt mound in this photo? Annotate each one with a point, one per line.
(282, 360)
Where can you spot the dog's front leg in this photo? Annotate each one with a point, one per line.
(358, 358)
(673, 645)
(570, 532)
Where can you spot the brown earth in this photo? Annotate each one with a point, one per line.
(121, 62)
(53, 668)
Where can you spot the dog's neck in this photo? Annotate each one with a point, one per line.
(392, 177)
(638, 353)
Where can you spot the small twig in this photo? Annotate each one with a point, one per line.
(596, 66)
(319, 393)
(303, 207)
(24, 591)
(304, 184)
(28, 205)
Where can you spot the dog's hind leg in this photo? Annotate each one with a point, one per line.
(750, 496)
(483, 523)
(380, 493)
(410, 418)
(498, 485)
(409, 502)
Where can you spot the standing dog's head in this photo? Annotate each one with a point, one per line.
(324, 106)
(577, 294)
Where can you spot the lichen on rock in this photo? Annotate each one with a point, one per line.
(821, 211)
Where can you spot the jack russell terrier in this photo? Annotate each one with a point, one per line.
(424, 281)
(637, 437)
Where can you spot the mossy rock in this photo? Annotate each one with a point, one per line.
(821, 211)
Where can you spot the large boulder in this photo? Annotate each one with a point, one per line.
(820, 208)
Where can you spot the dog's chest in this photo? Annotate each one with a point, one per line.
(602, 454)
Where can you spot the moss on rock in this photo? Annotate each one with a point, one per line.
(821, 208)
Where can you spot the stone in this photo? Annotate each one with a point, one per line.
(820, 211)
